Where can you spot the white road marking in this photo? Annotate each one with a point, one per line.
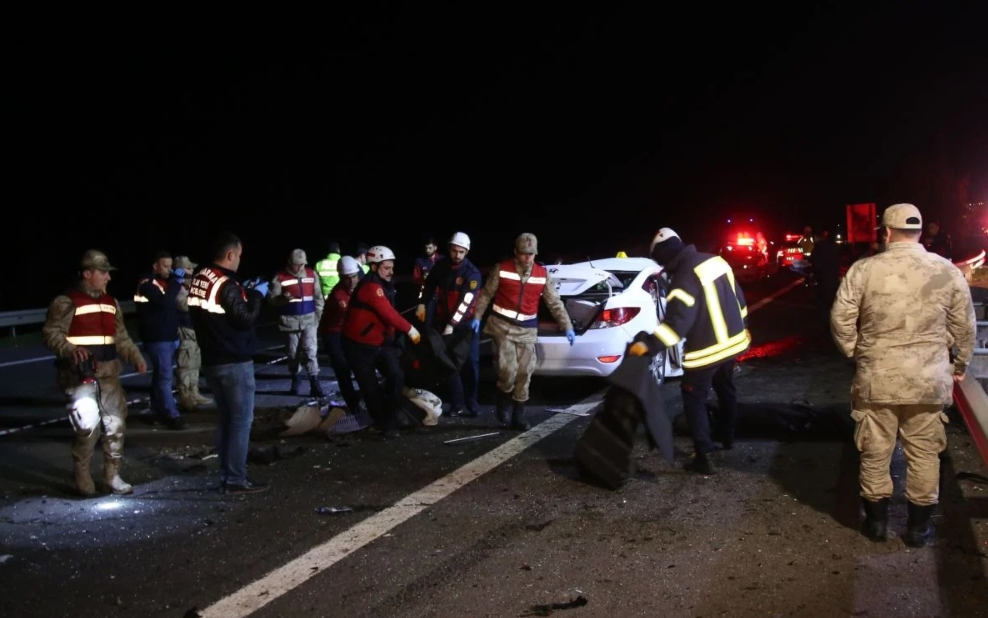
(255, 595)
(774, 295)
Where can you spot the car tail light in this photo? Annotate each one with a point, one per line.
(615, 317)
(609, 359)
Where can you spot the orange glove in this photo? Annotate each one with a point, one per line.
(638, 349)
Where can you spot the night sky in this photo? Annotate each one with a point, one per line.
(591, 127)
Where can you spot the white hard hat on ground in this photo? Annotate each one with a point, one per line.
(460, 240)
(347, 266)
(378, 254)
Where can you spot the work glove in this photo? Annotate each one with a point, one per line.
(645, 344)
(179, 273)
(414, 335)
(448, 330)
(262, 287)
(571, 337)
(420, 313)
(475, 325)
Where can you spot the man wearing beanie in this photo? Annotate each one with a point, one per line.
(706, 307)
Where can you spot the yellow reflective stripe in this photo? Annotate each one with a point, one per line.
(711, 269)
(512, 315)
(744, 311)
(716, 349)
(682, 295)
(723, 354)
(91, 340)
(666, 335)
(96, 308)
(715, 311)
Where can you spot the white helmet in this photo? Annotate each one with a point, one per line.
(663, 235)
(84, 408)
(379, 253)
(347, 266)
(460, 240)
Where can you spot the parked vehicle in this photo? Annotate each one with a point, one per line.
(609, 301)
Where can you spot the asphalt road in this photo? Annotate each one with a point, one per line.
(498, 526)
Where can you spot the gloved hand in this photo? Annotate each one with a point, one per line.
(571, 337)
(420, 313)
(448, 330)
(179, 273)
(177, 343)
(645, 344)
(262, 287)
(475, 325)
(414, 335)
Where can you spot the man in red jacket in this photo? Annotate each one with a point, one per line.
(369, 344)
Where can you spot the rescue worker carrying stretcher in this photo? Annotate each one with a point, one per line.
(369, 340)
(516, 286)
(454, 284)
(706, 307)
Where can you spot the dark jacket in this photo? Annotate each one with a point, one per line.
(157, 312)
(224, 329)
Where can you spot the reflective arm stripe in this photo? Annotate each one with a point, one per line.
(682, 295)
(666, 335)
(91, 340)
(717, 352)
(512, 315)
(96, 308)
(462, 309)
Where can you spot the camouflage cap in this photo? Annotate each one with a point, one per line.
(902, 217)
(183, 262)
(97, 260)
(298, 257)
(526, 243)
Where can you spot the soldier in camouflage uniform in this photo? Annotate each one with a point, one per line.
(86, 324)
(188, 357)
(898, 313)
(515, 286)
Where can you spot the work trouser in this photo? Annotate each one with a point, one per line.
(383, 402)
(112, 412)
(303, 349)
(514, 356)
(188, 362)
(921, 429)
(162, 354)
(695, 387)
(333, 343)
(463, 384)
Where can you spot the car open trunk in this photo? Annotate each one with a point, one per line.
(584, 291)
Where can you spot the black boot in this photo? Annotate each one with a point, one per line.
(518, 422)
(315, 389)
(293, 389)
(876, 523)
(701, 464)
(919, 532)
(502, 408)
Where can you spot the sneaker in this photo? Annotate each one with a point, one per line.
(248, 487)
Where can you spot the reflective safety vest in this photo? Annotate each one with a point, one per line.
(302, 289)
(329, 276)
(205, 288)
(94, 324)
(158, 283)
(517, 301)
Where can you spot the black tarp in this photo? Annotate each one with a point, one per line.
(437, 357)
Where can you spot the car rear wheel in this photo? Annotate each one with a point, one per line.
(658, 367)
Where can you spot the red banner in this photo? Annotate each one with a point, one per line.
(861, 222)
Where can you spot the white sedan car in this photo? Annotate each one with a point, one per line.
(609, 301)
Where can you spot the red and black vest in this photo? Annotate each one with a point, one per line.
(94, 324)
(515, 301)
(303, 291)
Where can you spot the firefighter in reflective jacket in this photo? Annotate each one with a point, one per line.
(87, 324)
(707, 308)
(454, 284)
(369, 340)
(298, 296)
(513, 291)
